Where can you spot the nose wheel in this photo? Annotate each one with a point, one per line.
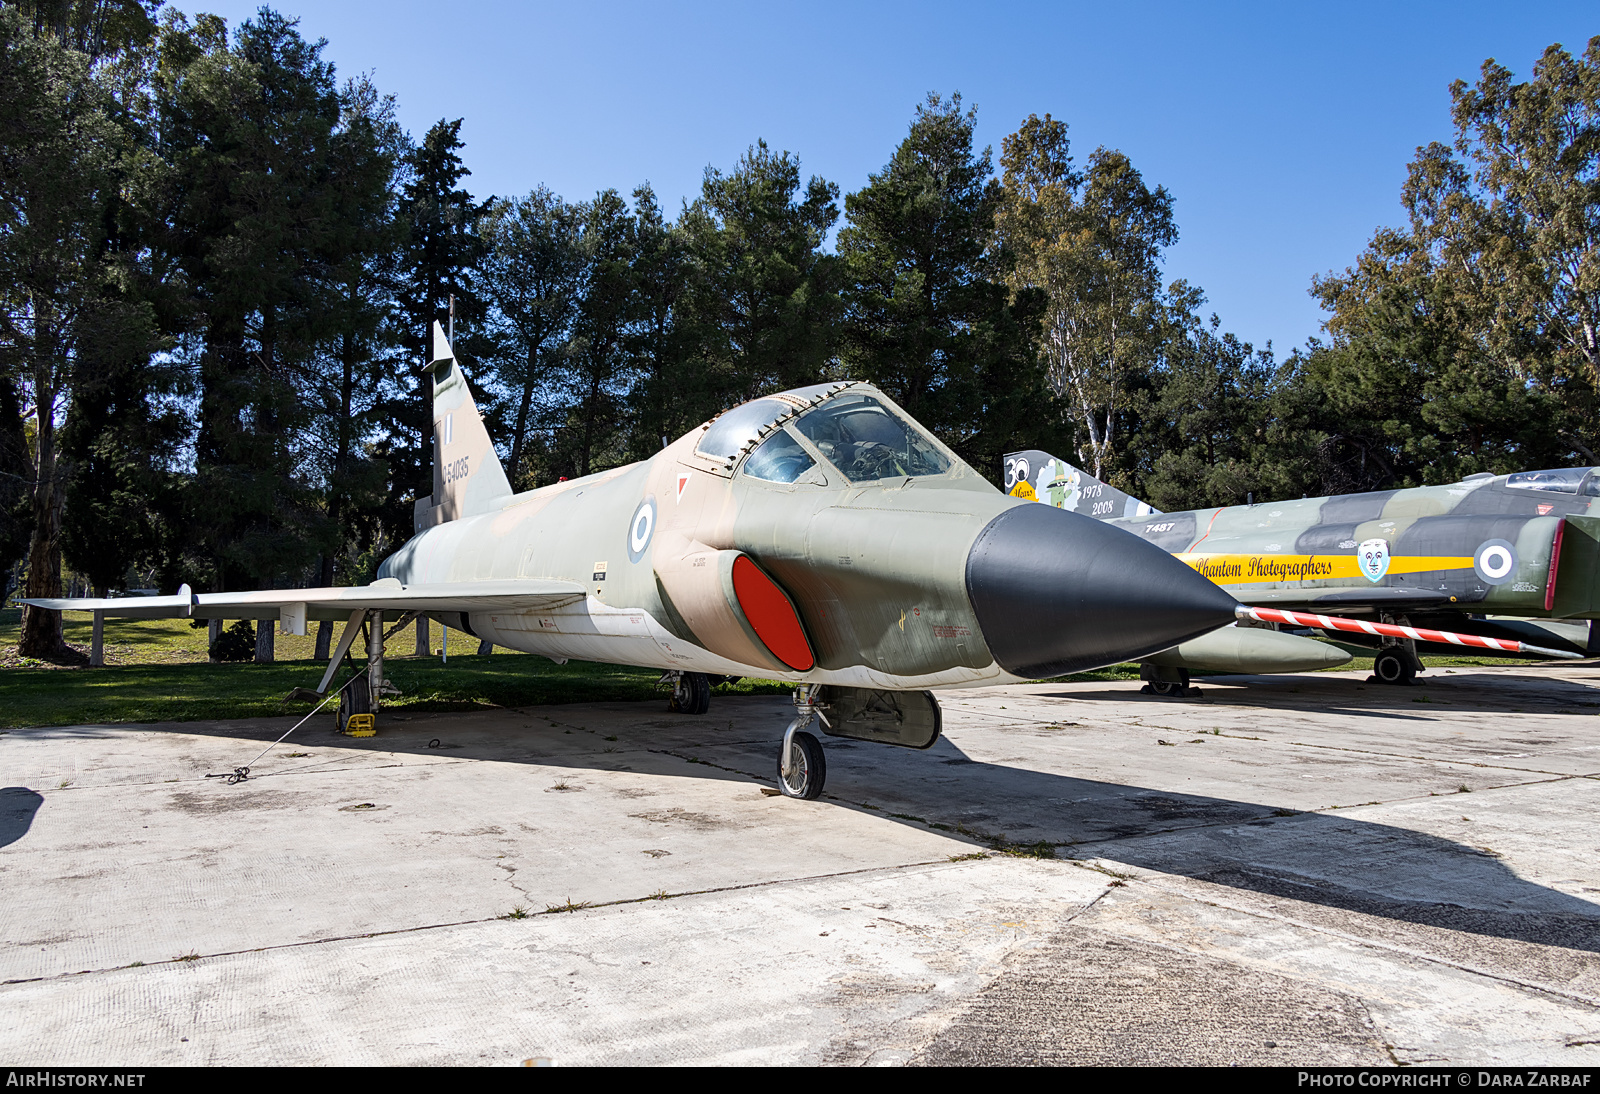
(802, 765)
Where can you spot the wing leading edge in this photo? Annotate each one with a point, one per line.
(336, 602)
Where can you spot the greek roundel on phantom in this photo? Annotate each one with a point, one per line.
(1495, 561)
(641, 528)
(1372, 556)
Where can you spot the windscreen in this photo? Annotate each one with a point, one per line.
(866, 440)
(779, 459)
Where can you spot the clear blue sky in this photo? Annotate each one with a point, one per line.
(1281, 130)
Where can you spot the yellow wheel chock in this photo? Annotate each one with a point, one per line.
(361, 725)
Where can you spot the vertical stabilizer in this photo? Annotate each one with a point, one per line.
(467, 476)
(1039, 476)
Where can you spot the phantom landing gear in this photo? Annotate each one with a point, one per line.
(1394, 665)
(1167, 682)
(802, 766)
(691, 692)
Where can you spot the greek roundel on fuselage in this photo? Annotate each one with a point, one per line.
(641, 528)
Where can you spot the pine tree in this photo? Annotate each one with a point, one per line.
(927, 318)
(439, 260)
(66, 150)
(762, 303)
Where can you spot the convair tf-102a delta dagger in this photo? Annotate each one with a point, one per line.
(816, 536)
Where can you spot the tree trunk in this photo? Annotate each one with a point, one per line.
(264, 629)
(325, 627)
(41, 629)
(518, 433)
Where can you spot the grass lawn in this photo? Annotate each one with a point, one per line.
(157, 671)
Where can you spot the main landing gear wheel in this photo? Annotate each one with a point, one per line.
(691, 694)
(807, 768)
(1392, 666)
(354, 698)
(1178, 688)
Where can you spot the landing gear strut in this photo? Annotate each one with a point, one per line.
(802, 766)
(691, 692)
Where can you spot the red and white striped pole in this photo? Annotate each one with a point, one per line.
(1391, 630)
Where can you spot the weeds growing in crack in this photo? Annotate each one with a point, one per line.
(1106, 870)
(517, 912)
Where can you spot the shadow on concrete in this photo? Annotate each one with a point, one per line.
(18, 804)
(1331, 703)
(1336, 860)
(1500, 691)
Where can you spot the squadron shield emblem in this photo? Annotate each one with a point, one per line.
(1372, 556)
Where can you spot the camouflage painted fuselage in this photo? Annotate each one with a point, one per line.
(817, 535)
(1487, 546)
(873, 571)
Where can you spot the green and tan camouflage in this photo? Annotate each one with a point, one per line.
(1483, 556)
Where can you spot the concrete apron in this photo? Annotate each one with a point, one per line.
(1293, 870)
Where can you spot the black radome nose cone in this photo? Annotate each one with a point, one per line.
(1056, 592)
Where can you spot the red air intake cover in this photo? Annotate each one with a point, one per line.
(768, 609)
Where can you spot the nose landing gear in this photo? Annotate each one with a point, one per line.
(802, 766)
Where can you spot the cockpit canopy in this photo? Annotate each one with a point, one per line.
(849, 429)
(1583, 481)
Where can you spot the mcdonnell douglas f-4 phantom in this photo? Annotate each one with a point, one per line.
(817, 536)
(1486, 556)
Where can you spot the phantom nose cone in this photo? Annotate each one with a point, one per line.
(1055, 592)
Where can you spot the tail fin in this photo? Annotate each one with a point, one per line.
(1039, 476)
(467, 476)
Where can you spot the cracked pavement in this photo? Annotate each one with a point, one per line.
(1295, 870)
